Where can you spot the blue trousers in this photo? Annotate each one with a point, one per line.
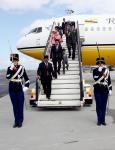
(17, 99)
(101, 103)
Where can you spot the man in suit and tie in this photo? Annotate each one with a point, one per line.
(56, 55)
(45, 73)
(63, 25)
(73, 40)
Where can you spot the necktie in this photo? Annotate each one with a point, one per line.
(47, 69)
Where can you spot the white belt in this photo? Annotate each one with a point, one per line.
(101, 83)
(16, 80)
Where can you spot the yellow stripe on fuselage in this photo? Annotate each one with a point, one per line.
(36, 53)
(90, 53)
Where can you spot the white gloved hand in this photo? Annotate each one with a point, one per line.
(110, 92)
(12, 66)
(38, 77)
(81, 103)
(25, 89)
(100, 69)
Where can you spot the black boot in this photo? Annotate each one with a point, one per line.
(15, 125)
(19, 125)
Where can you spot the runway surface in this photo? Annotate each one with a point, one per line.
(57, 129)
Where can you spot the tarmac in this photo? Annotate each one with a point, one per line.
(58, 129)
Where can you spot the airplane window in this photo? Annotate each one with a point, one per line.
(104, 28)
(109, 28)
(39, 29)
(33, 31)
(98, 28)
(92, 29)
(86, 29)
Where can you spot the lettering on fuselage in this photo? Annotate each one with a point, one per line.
(111, 20)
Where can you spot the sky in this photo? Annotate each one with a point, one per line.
(17, 15)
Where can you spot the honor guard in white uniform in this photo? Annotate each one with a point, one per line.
(15, 74)
(102, 89)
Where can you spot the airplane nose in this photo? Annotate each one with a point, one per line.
(22, 42)
(30, 45)
(29, 41)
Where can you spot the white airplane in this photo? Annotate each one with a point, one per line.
(93, 29)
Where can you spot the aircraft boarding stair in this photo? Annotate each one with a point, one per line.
(66, 88)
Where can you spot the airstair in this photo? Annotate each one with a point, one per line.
(66, 89)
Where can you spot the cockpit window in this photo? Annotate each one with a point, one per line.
(39, 29)
(33, 30)
(36, 30)
(92, 29)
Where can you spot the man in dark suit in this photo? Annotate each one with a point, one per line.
(73, 40)
(56, 55)
(63, 25)
(45, 73)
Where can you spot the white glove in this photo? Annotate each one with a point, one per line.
(81, 103)
(25, 89)
(100, 69)
(38, 77)
(110, 92)
(12, 66)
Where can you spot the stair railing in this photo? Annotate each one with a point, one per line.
(80, 63)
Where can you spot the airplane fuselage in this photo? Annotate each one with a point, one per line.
(93, 29)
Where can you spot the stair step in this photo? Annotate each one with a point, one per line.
(72, 72)
(65, 91)
(69, 77)
(74, 61)
(65, 86)
(62, 97)
(74, 68)
(57, 81)
(74, 65)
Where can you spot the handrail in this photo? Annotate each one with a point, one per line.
(80, 63)
(37, 89)
(46, 52)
